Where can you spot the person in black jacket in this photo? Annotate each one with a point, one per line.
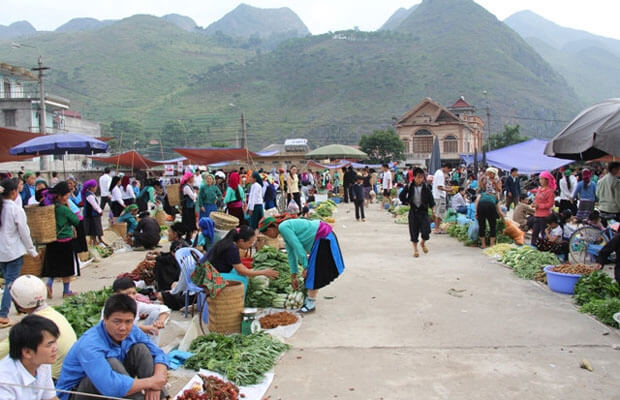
(420, 198)
(513, 188)
(348, 180)
(147, 233)
(358, 198)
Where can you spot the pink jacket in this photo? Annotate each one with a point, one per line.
(545, 200)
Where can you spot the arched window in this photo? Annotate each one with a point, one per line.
(422, 141)
(450, 144)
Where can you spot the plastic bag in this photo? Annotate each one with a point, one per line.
(473, 231)
(292, 207)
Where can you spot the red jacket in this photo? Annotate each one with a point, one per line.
(545, 200)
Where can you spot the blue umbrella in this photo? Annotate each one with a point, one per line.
(62, 143)
(435, 162)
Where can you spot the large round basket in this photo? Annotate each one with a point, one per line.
(174, 194)
(224, 221)
(120, 228)
(225, 310)
(33, 266)
(160, 217)
(42, 223)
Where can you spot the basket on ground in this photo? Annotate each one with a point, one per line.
(160, 217)
(120, 228)
(31, 265)
(224, 221)
(42, 223)
(561, 283)
(225, 310)
(174, 194)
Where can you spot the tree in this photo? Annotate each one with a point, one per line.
(124, 133)
(382, 146)
(511, 135)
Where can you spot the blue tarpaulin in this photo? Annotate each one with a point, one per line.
(528, 157)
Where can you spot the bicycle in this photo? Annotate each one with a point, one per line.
(586, 242)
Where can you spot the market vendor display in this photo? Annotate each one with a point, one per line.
(303, 237)
(109, 355)
(224, 255)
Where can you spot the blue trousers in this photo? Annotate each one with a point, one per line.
(11, 271)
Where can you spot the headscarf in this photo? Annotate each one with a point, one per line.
(28, 174)
(60, 189)
(586, 175)
(130, 208)
(115, 181)
(492, 170)
(259, 179)
(186, 177)
(40, 180)
(207, 227)
(266, 222)
(567, 172)
(91, 183)
(125, 182)
(233, 180)
(546, 175)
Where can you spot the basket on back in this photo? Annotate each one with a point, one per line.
(224, 221)
(174, 194)
(42, 223)
(225, 310)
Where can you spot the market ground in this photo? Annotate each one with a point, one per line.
(452, 324)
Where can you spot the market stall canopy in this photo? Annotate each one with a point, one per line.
(206, 156)
(60, 143)
(10, 138)
(594, 133)
(527, 157)
(131, 159)
(337, 165)
(336, 151)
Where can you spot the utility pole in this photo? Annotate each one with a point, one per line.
(244, 133)
(486, 96)
(45, 161)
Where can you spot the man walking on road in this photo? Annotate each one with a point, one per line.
(440, 195)
(386, 185)
(349, 179)
(104, 187)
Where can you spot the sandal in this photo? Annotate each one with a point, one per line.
(416, 254)
(306, 310)
(424, 249)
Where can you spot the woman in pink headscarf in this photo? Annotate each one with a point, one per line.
(235, 197)
(544, 201)
(188, 203)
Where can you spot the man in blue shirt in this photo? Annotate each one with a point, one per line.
(107, 357)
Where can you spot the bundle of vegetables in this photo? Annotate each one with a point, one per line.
(458, 231)
(264, 292)
(498, 249)
(527, 262)
(274, 320)
(599, 295)
(83, 310)
(325, 208)
(400, 210)
(402, 219)
(104, 251)
(242, 359)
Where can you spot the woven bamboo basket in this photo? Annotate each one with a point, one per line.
(42, 223)
(224, 221)
(160, 217)
(263, 240)
(120, 228)
(32, 266)
(174, 194)
(84, 256)
(225, 310)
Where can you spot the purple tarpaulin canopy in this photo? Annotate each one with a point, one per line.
(528, 157)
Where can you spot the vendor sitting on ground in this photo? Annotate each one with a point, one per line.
(152, 316)
(551, 239)
(225, 258)
(109, 355)
(459, 204)
(147, 233)
(523, 213)
(303, 237)
(129, 217)
(27, 368)
(28, 293)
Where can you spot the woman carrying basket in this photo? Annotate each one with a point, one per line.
(303, 237)
(61, 260)
(15, 241)
(188, 202)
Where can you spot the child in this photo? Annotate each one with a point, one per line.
(358, 198)
(523, 212)
(551, 239)
(420, 199)
(154, 316)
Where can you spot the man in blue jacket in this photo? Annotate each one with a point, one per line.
(107, 357)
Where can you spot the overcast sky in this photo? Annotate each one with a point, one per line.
(596, 16)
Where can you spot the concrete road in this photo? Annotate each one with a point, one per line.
(452, 324)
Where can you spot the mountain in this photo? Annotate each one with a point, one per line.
(83, 24)
(183, 22)
(395, 20)
(529, 24)
(590, 63)
(20, 28)
(246, 21)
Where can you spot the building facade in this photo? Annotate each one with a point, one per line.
(457, 127)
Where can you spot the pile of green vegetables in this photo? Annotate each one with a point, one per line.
(264, 292)
(528, 263)
(599, 295)
(325, 209)
(104, 251)
(399, 210)
(244, 360)
(402, 219)
(83, 310)
(460, 232)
